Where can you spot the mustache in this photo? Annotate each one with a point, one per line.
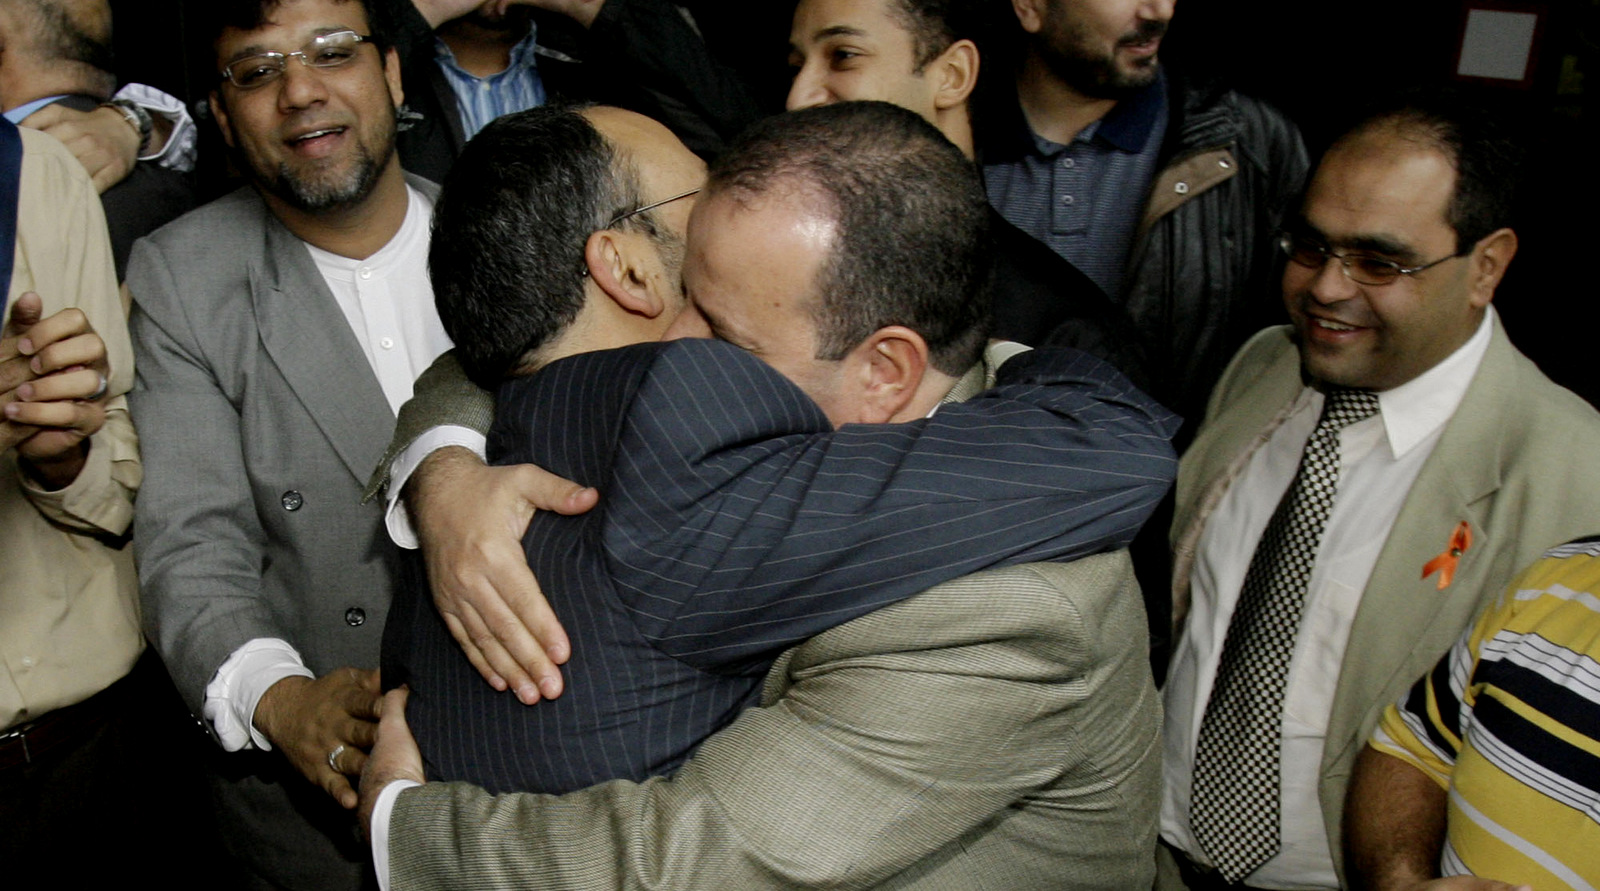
(1147, 31)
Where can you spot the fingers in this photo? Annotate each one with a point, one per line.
(61, 341)
(473, 654)
(82, 418)
(25, 313)
(74, 384)
(106, 176)
(361, 734)
(14, 373)
(502, 620)
(394, 709)
(546, 491)
(101, 140)
(337, 785)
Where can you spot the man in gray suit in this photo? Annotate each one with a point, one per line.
(277, 330)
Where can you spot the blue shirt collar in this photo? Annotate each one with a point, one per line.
(1127, 126)
(522, 55)
(16, 115)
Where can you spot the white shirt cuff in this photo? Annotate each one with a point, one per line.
(396, 517)
(234, 692)
(179, 152)
(381, 809)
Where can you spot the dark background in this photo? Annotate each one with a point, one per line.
(1317, 62)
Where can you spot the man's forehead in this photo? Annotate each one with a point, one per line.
(1371, 190)
(823, 19)
(292, 23)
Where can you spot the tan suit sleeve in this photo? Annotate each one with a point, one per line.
(994, 731)
(442, 397)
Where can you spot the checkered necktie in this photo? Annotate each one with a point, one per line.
(1236, 791)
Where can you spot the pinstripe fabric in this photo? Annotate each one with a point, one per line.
(734, 524)
(1509, 722)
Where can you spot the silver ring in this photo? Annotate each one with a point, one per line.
(333, 757)
(99, 391)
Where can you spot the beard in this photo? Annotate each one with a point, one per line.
(1069, 50)
(347, 185)
(330, 191)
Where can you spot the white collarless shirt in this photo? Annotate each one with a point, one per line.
(1379, 459)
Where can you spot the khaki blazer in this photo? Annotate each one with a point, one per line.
(1517, 462)
(997, 731)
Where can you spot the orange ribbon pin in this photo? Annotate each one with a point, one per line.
(1445, 564)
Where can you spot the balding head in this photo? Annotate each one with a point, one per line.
(535, 223)
(48, 47)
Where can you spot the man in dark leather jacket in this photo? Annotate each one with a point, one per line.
(1198, 273)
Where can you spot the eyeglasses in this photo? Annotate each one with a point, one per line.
(639, 210)
(1363, 269)
(324, 51)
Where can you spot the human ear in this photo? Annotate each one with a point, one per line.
(1489, 260)
(1029, 14)
(608, 255)
(887, 368)
(956, 70)
(391, 74)
(219, 113)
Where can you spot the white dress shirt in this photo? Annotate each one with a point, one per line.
(388, 301)
(1379, 459)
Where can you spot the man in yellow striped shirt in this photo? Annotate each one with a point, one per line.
(1490, 765)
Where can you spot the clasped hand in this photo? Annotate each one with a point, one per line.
(53, 374)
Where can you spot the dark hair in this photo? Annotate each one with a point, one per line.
(248, 15)
(935, 24)
(509, 230)
(1485, 157)
(911, 245)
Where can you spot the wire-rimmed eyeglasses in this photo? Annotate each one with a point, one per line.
(324, 51)
(1363, 269)
(639, 210)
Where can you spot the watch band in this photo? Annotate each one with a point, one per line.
(136, 116)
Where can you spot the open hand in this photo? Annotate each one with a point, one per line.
(470, 519)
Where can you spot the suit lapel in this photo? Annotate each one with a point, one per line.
(310, 341)
(1219, 454)
(1399, 608)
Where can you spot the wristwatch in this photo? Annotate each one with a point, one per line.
(136, 116)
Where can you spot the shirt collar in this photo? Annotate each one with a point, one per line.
(1129, 123)
(1417, 408)
(1126, 127)
(522, 55)
(16, 115)
(410, 241)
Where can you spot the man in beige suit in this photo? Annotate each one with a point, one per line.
(997, 731)
(1469, 469)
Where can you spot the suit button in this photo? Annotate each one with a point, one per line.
(292, 500)
(355, 617)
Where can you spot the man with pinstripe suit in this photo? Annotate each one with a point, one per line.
(738, 522)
